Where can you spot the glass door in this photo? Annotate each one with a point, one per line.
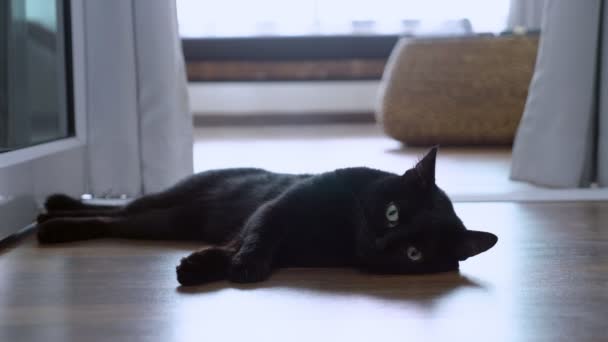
(42, 138)
(34, 74)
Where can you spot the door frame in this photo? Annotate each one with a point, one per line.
(30, 174)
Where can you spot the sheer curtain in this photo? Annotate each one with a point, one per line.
(526, 13)
(138, 123)
(562, 138)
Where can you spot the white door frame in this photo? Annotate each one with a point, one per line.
(30, 174)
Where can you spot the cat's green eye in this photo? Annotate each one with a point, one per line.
(392, 215)
(413, 253)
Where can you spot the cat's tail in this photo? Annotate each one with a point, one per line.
(59, 205)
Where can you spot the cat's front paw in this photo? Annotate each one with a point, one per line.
(204, 266)
(249, 271)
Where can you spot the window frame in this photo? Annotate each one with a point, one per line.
(29, 174)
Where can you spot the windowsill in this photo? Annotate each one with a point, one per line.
(289, 48)
(263, 71)
(30, 153)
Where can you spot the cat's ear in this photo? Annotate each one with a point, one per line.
(473, 242)
(425, 168)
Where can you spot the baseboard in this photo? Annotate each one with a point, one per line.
(535, 195)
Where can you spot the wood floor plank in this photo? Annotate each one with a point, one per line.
(546, 279)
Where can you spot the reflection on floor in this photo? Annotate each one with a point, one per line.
(545, 280)
(460, 171)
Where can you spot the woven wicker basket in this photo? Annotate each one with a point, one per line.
(456, 91)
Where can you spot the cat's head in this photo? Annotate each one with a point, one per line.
(410, 225)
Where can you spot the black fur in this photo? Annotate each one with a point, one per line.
(256, 221)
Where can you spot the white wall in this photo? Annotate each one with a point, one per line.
(282, 97)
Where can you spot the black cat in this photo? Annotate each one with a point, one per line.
(256, 221)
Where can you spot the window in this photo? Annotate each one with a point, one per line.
(241, 18)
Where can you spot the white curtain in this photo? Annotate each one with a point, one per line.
(526, 13)
(138, 124)
(561, 140)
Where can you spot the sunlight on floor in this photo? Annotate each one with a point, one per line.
(301, 149)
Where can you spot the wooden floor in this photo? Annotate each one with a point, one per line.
(545, 280)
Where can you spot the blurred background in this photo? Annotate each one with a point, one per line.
(301, 86)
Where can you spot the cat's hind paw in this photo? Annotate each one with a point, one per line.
(60, 202)
(58, 230)
(210, 264)
(43, 218)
